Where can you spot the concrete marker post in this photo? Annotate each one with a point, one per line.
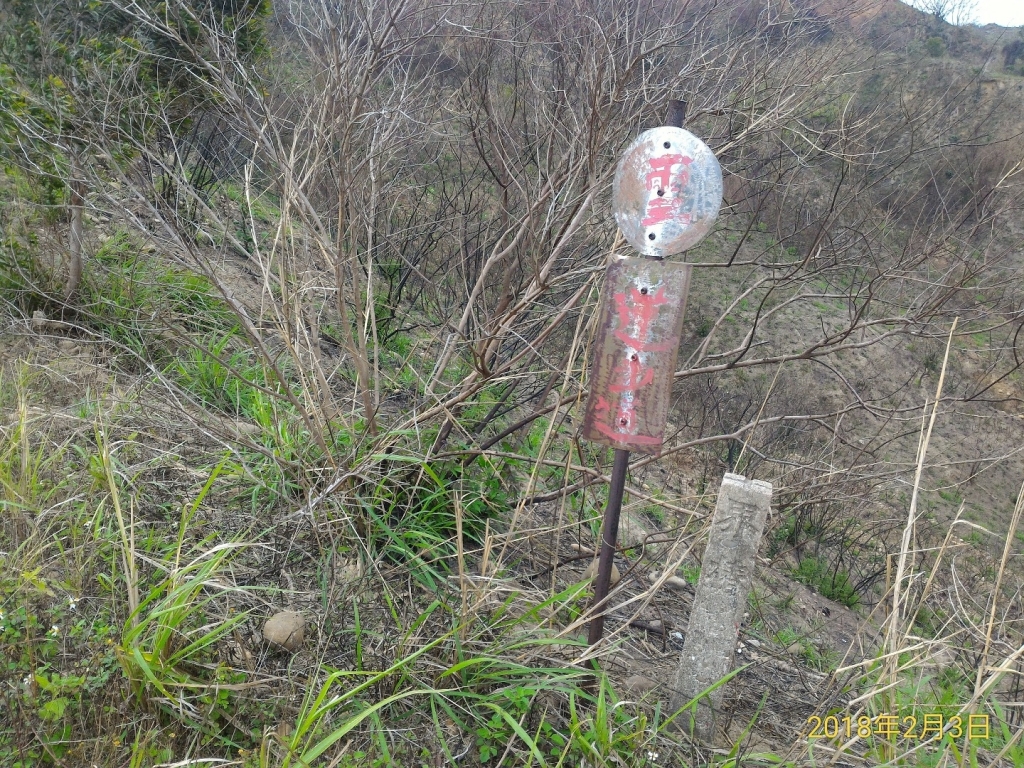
(727, 570)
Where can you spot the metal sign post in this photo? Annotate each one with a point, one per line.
(666, 196)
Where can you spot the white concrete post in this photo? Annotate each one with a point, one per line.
(726, 572)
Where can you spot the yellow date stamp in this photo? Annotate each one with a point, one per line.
(927, 726)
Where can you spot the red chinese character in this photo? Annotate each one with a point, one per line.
(635, 319)
(623, 422)
(659, 209)
(636, 313)
(632, 374)
(669, 186)
(661, 177)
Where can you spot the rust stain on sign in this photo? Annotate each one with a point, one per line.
(635, 353)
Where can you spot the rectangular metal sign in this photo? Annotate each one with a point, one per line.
(641, 321)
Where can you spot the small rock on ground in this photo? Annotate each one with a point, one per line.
(591, 572)
(286, 629)
(638, 685)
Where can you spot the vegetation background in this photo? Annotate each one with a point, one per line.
(297, 299)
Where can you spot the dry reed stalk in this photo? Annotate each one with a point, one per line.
(894, 626)
(574, 444)
(893, 644)
(461, 561)
(553, 421)
(760, 413)
(1007, 547)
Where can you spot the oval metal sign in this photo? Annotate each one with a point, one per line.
(667, 191)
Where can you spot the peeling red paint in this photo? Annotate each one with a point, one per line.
(631, 376)
(668, 187)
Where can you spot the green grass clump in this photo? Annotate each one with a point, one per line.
(820, 576)
(227, 380)
(49, 694)
(135, 299)
(416, 511)
(691, 572)
(504, 712)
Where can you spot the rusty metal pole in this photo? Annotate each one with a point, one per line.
(609, 536)
(676, 113)
(610, 527)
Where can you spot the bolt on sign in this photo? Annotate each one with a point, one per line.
(667, 191)
(635, 353)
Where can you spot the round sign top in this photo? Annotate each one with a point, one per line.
(667, 191)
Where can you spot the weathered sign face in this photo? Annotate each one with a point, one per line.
(667, 191)
(635, 353)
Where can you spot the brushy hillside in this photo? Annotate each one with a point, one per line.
(296, 305)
